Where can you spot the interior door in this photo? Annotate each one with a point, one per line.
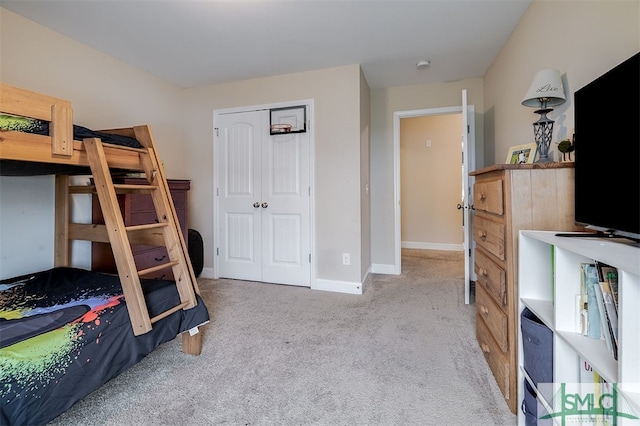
(468, 164)
(263, 201)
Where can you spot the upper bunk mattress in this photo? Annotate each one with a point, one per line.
(41, 127)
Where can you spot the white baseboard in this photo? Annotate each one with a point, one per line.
(320, 284)
(379, 268)
(206, 273)
(338, 286)
(431, 246)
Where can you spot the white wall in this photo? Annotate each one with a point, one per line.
(384, 102)
(105, 93)
(336, 131)
(365, 178)
(582, 39)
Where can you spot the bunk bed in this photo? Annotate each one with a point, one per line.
(66, 331)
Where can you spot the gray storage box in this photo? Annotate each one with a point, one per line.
(537, 342)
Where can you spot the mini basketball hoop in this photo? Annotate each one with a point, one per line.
(280, 128)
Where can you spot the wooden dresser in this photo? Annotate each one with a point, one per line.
(506, 199)
(138, 209)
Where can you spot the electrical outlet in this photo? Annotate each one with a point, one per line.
(346, 259)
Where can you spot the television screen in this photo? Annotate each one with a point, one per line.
(607, 151)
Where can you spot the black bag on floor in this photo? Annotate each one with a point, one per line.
(196, 251)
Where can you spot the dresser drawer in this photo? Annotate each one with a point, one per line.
(142, 217)
(494, 356)
(488, 196)
(494, 318)
(144, 202)
(489, 235)
(491, 277)
(151, 258)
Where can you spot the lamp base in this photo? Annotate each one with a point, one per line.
(543, 130)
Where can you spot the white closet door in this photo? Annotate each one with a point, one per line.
(285, 222)
(239, 190)
(263, 201)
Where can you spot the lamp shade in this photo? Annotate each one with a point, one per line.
(546, 86)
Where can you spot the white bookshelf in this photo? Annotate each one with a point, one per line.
(548, 282)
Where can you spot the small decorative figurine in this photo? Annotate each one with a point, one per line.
(566, 147)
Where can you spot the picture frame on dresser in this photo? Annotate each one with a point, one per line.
(522, 154)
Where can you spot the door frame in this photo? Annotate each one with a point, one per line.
(216, 205)
(397, 115)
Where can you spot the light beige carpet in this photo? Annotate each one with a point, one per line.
(403, 353)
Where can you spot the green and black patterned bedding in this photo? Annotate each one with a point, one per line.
(66, 331)
(41, 127)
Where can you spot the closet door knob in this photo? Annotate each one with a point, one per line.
(265, 205)
(256, 204)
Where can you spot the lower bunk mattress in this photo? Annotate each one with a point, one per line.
(66, 331)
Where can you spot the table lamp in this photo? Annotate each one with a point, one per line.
(546, 90)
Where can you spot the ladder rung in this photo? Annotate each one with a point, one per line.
(157, 268)
(82, 189)
(168, 312)
(123, 188)
(147, 226)
(120, 188)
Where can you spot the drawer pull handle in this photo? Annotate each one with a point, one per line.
(482, 234)
(485, 348)
(482, 272)
(160, 259)
(483, 197)
(484, 310)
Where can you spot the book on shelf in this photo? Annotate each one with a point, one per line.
(589, 282)
(609, 274)
(592, 382)
(605, 326)
(611, 315)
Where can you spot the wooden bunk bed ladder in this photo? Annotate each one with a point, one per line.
(166, 232)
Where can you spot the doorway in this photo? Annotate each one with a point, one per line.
(262, 200)
(430, 187)
(465, 163)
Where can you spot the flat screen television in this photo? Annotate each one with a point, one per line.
(607, 152)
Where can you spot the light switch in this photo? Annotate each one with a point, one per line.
(427, 143)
